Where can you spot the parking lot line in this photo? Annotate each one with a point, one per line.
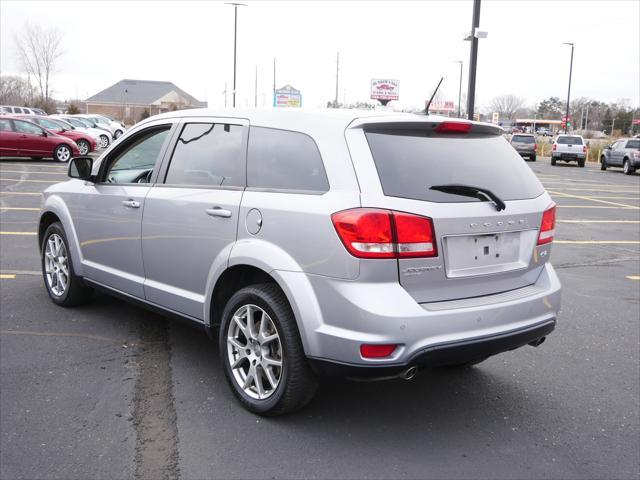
(598, 221)
(591, 199)
(27, 165)
(7, 276)
(31, 209)
(31, 171)
(614, 198)
(18, 233)
(597, 242)
(20, 193)
(633, 277)
(24, 180)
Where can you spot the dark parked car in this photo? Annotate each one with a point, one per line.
(21, 138)
(624, 153)
(525, 144)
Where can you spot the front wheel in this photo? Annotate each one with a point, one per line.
(63, 286)
(84, 147)
(104, 141)
(62, 153)
(261, 352)
(603, 163)
(117, 134)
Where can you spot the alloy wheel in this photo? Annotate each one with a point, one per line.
(104, 141)
(254, 352)
(83, 147)
(63, 153)
(56, 265)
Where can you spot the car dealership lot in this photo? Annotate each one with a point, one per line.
(110, 390)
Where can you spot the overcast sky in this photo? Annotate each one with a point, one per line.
(191, 44)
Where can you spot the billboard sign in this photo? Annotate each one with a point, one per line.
(441, 106)
(287, 97)
(385, 89)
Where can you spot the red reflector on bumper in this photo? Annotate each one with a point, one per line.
(377, 351)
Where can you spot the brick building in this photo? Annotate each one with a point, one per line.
(128, 99)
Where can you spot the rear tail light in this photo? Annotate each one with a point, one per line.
(636, 154)
(379, 233)
(548, 225)
(377, 351)
(535, 147)
(554, 147)
(453, 127)
(584, 149)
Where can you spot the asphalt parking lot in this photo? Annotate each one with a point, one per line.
(109, 390)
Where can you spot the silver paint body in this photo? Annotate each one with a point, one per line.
(172, 249)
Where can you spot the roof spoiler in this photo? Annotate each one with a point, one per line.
(429, 126)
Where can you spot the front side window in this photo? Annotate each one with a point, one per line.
(209, 154)
(26, 127)
(135, 161)
(284, 160)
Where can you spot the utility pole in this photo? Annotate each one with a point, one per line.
(337, 74)
(255, 97)
(566, 127)
(473, 61)
(460, 87)
(586, 119)
(235, 41)
(274, 81)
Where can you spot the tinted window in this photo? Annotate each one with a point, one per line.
(569, 140)
(5, 125)
(26, 127)
(522, 139)
(135, 162)
(50, 124)
(409, 162)
(633, 144)
(5, 109)
(208, 154)
(280, 159)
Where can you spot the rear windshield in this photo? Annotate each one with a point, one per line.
(409, 162)
(523, 139)
(569, 140)
(633, 144)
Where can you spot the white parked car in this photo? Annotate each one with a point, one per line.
(103, 137)
(115, 128)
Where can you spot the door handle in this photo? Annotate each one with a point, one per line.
(218, 212)
(131, 203)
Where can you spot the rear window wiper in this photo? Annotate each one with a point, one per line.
(483, 194)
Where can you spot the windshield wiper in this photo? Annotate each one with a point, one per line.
(483, 194)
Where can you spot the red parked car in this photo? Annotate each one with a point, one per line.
(21, 138)
(85, 142)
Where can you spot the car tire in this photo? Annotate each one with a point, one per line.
(603, 163)
(553, 162)
(84, 147)
(295, 383)
(581, 163)
(117, 134)
(104, 141)
(62, 153)
(532, 158)
(627, 168)
(64, 287)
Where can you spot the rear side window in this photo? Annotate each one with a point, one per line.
(633, 144)
(5, 125)
(26, 127)
(409, 162)
(523, 139)
(284, 160)
(569, 140)
(208, 154)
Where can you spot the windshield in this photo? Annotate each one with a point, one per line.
(569, 140)
(523, 139)
(410, 162)
(51, 124)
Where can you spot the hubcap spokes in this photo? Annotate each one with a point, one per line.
(254, 352)
(63, 154)
(56, 266)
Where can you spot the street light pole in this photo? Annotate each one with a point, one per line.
(460, 87)
(235, 39)
(569, 89)
(471, 91)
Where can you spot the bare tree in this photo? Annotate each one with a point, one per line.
(39, 50)
(15, 90)
(507, 105)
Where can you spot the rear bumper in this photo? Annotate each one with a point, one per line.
(336, 317)
(569, 156)
(527, 153)
(442, 354)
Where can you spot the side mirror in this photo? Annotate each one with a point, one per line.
(44, 133)
(608, 147)
(80, 168)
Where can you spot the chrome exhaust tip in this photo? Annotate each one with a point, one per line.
(409, 373)
(538, 342)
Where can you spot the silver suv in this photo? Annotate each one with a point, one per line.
(360, 244)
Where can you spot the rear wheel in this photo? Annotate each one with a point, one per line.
(553, 161)
(603, 163)
(84, 147)
(533, 158)
(261, 352)
(627, 168)
(63, 286)
(62, 153)
(581, 163)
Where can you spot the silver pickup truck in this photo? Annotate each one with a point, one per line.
(569, 148)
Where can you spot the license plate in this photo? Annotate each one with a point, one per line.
(468, 255)
(568, 155)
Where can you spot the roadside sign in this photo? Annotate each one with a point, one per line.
(445, 106)
(287, 97)
(636, 121)
(385, 89)
(495, 117)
